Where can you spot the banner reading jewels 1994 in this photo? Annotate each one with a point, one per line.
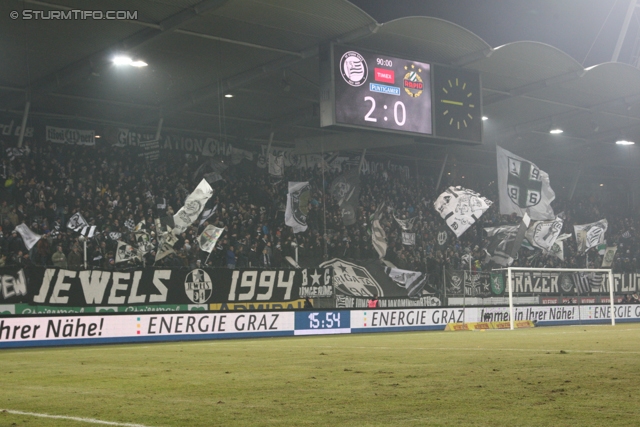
(191, 289)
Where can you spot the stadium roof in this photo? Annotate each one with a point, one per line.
(265, 54)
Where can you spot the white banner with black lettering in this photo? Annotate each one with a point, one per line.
(71, 136)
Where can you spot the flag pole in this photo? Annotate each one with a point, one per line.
(361, 161)
(324, 204)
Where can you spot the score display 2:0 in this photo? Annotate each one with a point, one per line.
(368, 117)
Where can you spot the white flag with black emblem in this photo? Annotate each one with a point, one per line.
(297, 210)
(76, 222)
(523, 187)
(276, 164)
(461, 208)
(405, 224)
(408, 238)
(609, 255)
(125, 252)
(193, 206)
(590, 235)
(543, 234)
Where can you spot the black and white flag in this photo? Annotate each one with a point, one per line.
(543, 234)
(461, 208)
(143, 241)
(609, 255)
(130, 224)
(165, 246)
(207, 213)
(88, 231)
(557, 250)
(295, 216)
(405, 224)
(505, 240)
(276, 164)
(626, 234)
(125, 252)
(211, 171)
(14, 152)
(590, 235)
(164, 224)
(412, 281)
(408, 238)
(77, 222)
(193, 206)
(378, 236)
(523, 187)
(345, 189)
(114, 235)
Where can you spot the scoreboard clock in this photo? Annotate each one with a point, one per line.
(364, 89)
(319, 322)
(458, 104)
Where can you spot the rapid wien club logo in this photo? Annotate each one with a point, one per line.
(412, 83)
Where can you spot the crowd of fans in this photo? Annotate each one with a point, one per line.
(113, 189)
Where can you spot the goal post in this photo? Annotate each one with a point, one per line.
(607, 271)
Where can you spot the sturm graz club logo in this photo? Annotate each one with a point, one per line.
(353, 68)
(442, 237)
(198, 286)
(497, 284)
(524, 184)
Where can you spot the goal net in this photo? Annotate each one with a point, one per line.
(563, 295)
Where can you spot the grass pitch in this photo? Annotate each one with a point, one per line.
(553, 376)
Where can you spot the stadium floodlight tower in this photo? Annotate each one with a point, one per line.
(572, 270)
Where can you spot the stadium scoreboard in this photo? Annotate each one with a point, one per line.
(368, 90)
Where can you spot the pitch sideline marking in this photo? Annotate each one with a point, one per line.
(79, 419)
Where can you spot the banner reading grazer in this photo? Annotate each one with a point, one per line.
(486, 284)
(57, 287)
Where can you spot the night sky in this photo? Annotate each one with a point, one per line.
(572, 26)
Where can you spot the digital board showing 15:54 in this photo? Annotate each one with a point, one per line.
(322, 320)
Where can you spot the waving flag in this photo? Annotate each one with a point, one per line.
(297, 210)
(590, 235)
(461, 208)
(523, 187)
(193, 206)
